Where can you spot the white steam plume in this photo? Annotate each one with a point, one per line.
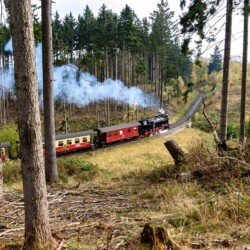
(8, 46)
(83, 89)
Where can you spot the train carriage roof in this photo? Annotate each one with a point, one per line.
(5, 145)
(74, 135)
(117, 127)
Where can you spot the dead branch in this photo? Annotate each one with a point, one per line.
(221, 145)
(11, 230)
(60, 245)
(235, 159)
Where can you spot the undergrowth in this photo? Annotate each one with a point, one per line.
(77, 168)
(80, 170)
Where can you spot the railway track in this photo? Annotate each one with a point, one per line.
(174, 127)
(183, 122)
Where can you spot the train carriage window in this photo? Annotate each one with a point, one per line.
(115, 133)
(69, 142)
(121, 132)
(77, 140)
(109, 134)
(84, 139)
(135, 128)
(129, 130)
(60, 143)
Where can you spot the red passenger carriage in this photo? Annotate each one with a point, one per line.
(117, 133)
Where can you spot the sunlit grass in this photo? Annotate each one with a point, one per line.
(141, 156)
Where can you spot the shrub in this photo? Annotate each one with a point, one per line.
(9, 133)
(80, 169)
(232, 131)
(12, 172)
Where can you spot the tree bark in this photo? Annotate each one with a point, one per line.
(48, 95)
(1, 180)
(244, 73)
(175, 151)
(225, 86)
(37, 229)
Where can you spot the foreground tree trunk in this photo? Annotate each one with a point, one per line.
(48, 95)
(37, 229)
(244, 73)
(224, 92)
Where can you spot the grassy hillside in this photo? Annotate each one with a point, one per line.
(109, 195)
(234, 100)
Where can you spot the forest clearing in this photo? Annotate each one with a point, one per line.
(132, 186)
(88, 157)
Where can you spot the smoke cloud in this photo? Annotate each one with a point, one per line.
(8, 46)
(82, 88)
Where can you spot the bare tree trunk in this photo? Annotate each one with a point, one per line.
(224, 93)
(107, 100)
(244, 73)
(37, 229)
(116, 63)
(1, 180)
(48, 95)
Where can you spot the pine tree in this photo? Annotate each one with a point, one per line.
(215, 63)
(69, 24)
(162, 46)
(58, 43)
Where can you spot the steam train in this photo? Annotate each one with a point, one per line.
(101, 137)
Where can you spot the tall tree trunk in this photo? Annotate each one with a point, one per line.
(37, 229)
(244, 73)
(1, 179)
(224, 93)
(48, 95)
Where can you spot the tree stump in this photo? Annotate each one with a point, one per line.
(158, 238)
(176, 152)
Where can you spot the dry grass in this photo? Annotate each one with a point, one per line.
(143, 156)
(132, 189)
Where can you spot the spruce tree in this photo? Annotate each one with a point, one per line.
(215, 63)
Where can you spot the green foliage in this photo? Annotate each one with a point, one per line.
(4, 35)
(37, 25)
(81, 170)
(12, 172)
(232, 131)
(194, 21)
(69, 24)
(9, 133)
(215, 63)
(188, 91)
(97, 40)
